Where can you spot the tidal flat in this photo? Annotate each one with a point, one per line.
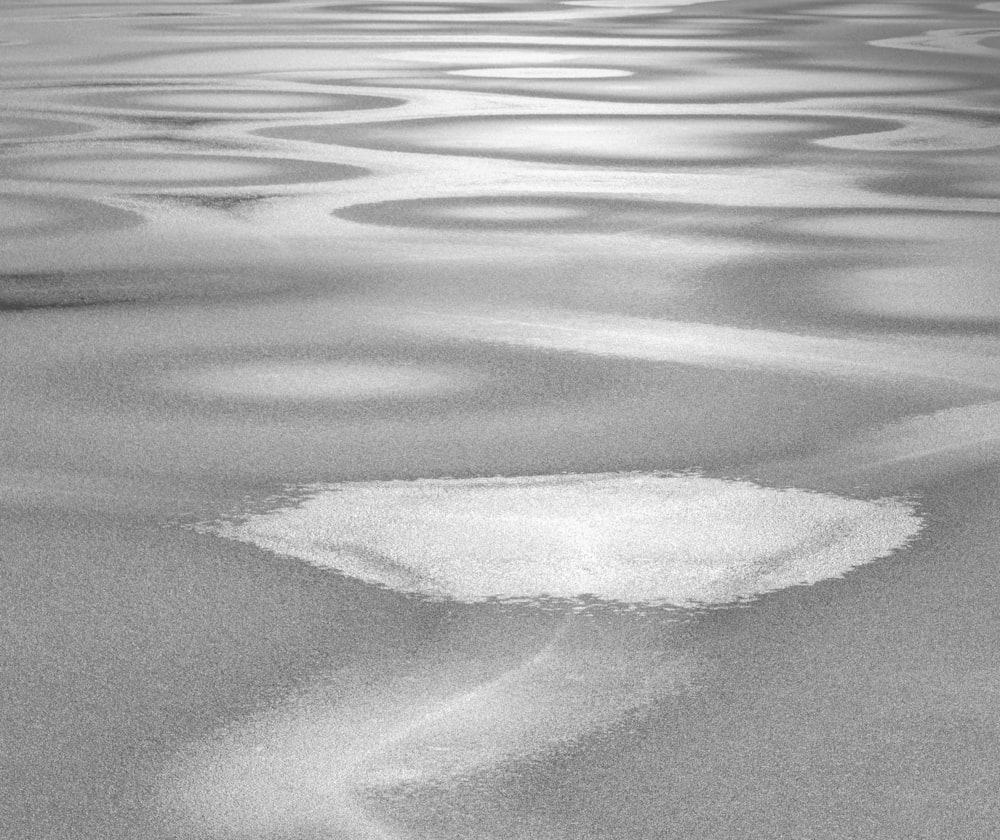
(517, 419)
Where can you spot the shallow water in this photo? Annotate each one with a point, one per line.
(499, 419)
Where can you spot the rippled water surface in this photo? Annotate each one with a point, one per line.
(520, 420)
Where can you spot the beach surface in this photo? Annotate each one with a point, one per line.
(509, 419)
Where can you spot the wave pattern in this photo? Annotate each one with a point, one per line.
(260, 247)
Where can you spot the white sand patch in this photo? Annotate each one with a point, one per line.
(682, 540)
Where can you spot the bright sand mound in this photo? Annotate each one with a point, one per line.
(681, 540)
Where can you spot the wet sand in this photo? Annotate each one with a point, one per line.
(502, 420)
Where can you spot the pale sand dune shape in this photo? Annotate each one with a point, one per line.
(680, 540)
(320, 762)
(711, 345)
